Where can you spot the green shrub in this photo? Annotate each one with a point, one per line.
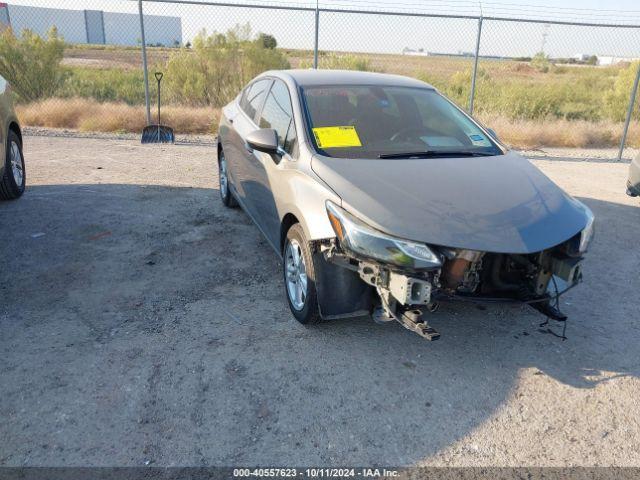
(457, 87)
(217, 66)
(540, 62)
(338, 61)
(256, 59)
(105, 85)
(32, 63)
(572, 94)
(267, 41)
(617, 98)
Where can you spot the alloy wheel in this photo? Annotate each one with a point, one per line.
(16, 164)
(296, 275)
(224, 181)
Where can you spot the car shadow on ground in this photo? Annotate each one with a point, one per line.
(149, 324)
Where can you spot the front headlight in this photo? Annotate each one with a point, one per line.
(358, 237)
(587, 234)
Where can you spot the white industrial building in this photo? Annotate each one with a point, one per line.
(612, 60)
(93, 26)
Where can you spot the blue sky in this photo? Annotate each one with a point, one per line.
(386, 34)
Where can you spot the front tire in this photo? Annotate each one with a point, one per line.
(13, 180)
(226, 196)
(300, 276)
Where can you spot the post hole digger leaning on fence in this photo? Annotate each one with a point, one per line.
(158, 133)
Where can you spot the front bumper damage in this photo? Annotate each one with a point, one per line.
(409, 296)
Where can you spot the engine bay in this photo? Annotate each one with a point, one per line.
(408, 295)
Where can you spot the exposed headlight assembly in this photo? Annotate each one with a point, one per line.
(587, 233)
(356, 236)
(579, 244)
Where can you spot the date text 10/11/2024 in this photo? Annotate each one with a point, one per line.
(315, 472)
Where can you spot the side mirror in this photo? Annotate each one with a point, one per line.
(264, 140)
(493, 133)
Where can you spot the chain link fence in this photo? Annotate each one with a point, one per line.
(537, 83)
(578, 97)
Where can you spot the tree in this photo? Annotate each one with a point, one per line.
(267, 41)
(592, 60)
(218, 66)
(32, 64)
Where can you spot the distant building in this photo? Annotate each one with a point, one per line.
(93, 26)
(612, 60)
(422, 53)
(460, 53)
(410, 51)
(581, 57)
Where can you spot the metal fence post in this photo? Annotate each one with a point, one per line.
(632, 104)
(144, 64)
(315, 45)
(475, 67)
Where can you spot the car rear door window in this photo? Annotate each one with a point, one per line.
(253, 97)
(278, 114)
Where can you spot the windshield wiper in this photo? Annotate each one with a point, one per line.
(436, 153)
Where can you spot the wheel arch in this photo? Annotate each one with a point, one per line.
(14, 127)
(218, 150)
(288, 221)
(340, 292)
(308, 220)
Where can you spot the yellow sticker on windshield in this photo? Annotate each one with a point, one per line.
(337, 137)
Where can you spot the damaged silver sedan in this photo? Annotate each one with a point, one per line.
(383, 198)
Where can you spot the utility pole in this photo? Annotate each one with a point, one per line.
(545, 34)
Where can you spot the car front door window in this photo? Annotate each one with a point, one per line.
(277, 113)
(252, 99)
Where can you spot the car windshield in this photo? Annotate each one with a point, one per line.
(391, 122)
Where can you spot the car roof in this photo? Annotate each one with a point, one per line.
(311, 77)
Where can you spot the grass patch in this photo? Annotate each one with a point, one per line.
(523, 134)
(339, 61)
(92, 116)
(517, 91)
(529, 104)
(104, 85)
(89, 115)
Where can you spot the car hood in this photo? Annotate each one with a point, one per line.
(494, 204)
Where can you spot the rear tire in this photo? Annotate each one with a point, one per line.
(300, 277)
(228, 200)
(13, 180)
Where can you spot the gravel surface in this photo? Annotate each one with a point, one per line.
(143, 323)
(581, 154)
(67, 133)
(564, 153)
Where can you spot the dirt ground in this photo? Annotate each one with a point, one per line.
(143, 323)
